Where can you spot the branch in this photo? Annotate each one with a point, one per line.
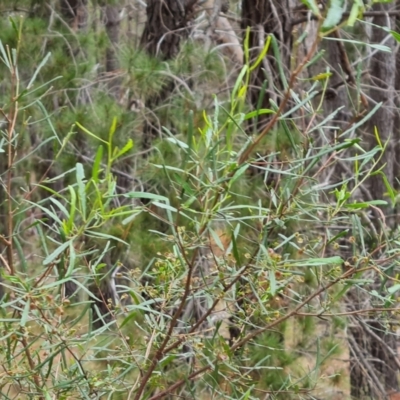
(255, 333)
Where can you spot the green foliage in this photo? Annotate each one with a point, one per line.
(146, 72)
(219, 243)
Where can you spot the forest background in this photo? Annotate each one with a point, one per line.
(198, 199)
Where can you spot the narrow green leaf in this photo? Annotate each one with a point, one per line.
(216, 239)
(56, 178)
(42, 238)
(36, 89)
(4, 59)
(97, 163)
(378, 139)
(49, 122)
(393, 289)
(355, 11)
(72, 209)
(235, 250)
(104, 236)
(389, 188)
(181, 144)
(60, 206)
(289, 133)
(112, 130)
(256, 113)
(165, 206)
(50, 258)
(184, 185)
(338, 236)
(334, 15)
(144, 195)
(312, 5)
(72, 258)
(272, 282)
(260, 102)
(395, 34)
(89, 133)
(168, 360)
(80, 178)
(190, 141)
(321, 77)
(375, 46)
(278, 59)
(47, 394)
(25, 313)
(168, 168)
(358, 281)
(47, 211)
(319, 261)
(262, 54)
(14, 25)
(125, 149)
(366, 204)
(40, 66)
(238, 174)
(129, 219)
(238, 83)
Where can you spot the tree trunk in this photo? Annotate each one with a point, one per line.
(373, 362)
(336, 97)
(112, 25)
(265, 17)
(382, 72)
(221, 30)
(396, 131)
(75, 12)
(167, 24)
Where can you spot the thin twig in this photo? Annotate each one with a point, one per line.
(257, 332)
(360, 359)
(346, 313)
(383, 344)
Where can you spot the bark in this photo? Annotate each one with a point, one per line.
(396, 131)
(168, 22)
(112, 24)
(221, 29)
(265, 17)
(382, 75)
(75, 12)
(373, 362)
(336, 97)
(336, 100)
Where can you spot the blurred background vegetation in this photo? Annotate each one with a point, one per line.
(199, 199)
